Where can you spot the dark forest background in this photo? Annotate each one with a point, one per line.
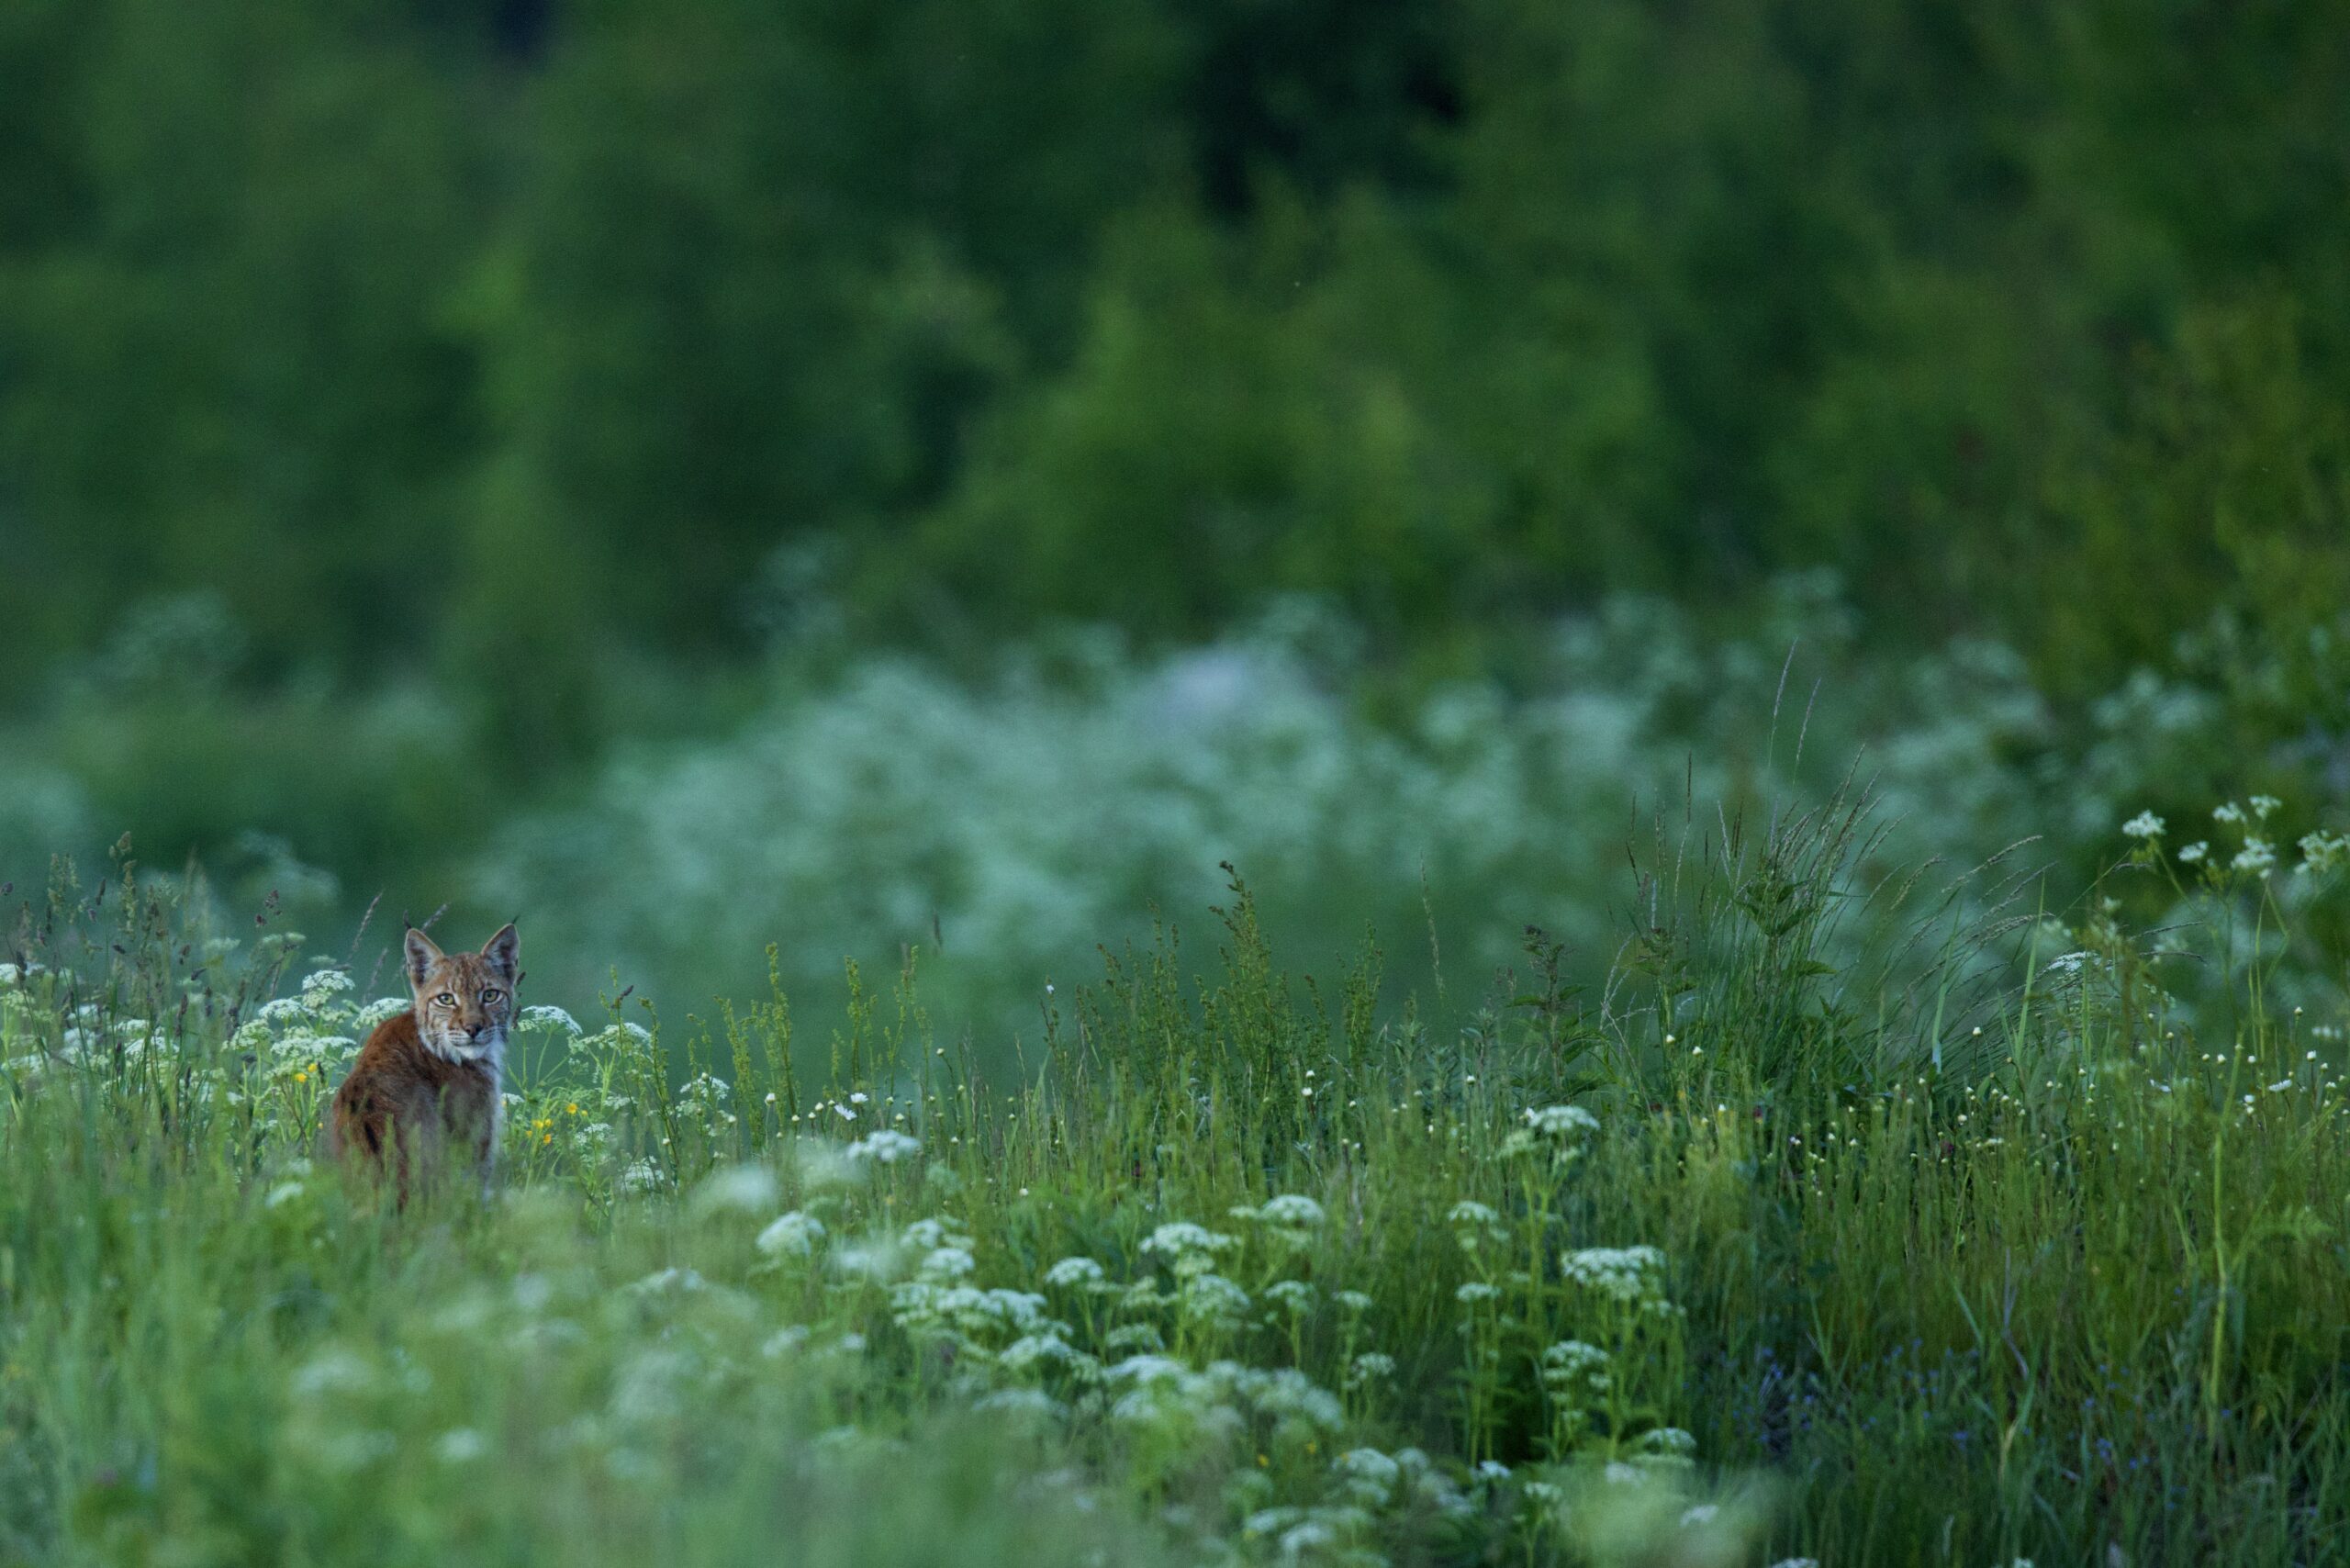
(411, 408)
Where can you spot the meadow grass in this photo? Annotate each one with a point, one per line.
(1744, 1259)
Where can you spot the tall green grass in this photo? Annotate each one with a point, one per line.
(1746, 1256)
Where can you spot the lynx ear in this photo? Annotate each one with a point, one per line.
(421, 956)
(503, 950)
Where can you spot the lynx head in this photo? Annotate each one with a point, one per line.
(464, 1003)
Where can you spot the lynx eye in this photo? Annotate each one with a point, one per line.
(445, 1000)
(489, 996)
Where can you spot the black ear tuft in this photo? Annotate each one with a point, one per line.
(421, 954)
(504, 952)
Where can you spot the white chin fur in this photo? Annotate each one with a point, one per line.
(487, 1048)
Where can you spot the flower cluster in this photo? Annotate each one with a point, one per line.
(1628, 1275)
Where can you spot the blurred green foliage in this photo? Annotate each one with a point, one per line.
(420, 419)
(523, 332)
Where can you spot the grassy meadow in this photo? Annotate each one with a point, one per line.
(2003, 1246)
(1760, 596)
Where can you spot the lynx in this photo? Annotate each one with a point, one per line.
(421, 1104)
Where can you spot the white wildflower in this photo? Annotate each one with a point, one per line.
(461, 1445)
(1369, 1476)
(1147, 1370)
(1296, 1295)
(333, 1372)
(1032, 1351)
(672, 1281)
(885, 1146)
(1474, 1224)
(382, 1008)
(2322, 852)
(1182, 1238)
(1573, 1360)
(929, 1232)
(948, 1264)
(1291, 1209)
(1074, 1274)
(1029, 1404)
(1561, 1121)
(1211, 1298)
(322, 987)
(791, 1234)
(2146, 825)
(740, 1189)
(1624, 1274)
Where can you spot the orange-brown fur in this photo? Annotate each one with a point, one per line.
(421, 1102)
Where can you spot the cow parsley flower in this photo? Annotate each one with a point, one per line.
(2322, 852)
(1670, 1442)
(1074, 1274)
(1570, 1361)
(1474, 1224)
(1029, 1404)
(1561, 1121)
(1293, 1210)
(928, 1233)
(745, 1189)
(1368, 1475)
(1623, 1273)
(1296, 1295)
(791, 1234)
(948, 1264)
(886, 1145)
(380, 1009)
(2145, 825)
(1211, 1298)
(1180, 1238)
